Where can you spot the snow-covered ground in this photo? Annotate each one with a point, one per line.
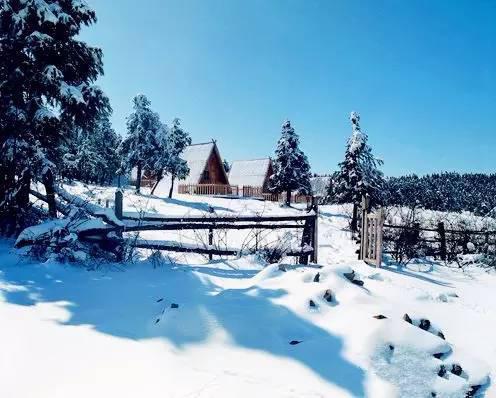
(242, 328)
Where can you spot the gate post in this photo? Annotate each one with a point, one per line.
(379, 235)
(364, 228)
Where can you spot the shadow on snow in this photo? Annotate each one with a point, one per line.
(135, 304)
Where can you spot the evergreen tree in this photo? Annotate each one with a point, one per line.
(226, 165)
(144, 136)
(47, 90)
(160, 157)
(109, 142)
(291, 167)
(177, 141)
(92, 155)
(359, 174)
(444, 192)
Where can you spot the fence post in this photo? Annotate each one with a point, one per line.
(210, 241)
(306, 240)
(118, 204)
(315, 238)
(466, 239)
(442, 238)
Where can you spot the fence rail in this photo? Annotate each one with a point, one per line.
(246, 191)
(208, 189)
(437, 242)
(409, 241)
(308, 250)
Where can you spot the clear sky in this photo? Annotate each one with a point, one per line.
(422, 75)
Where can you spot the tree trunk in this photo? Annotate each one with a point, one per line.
(172, 186)
(138, 178)
(48, 182)
(288, 197)
(354, 219)
(22, 196)
(159, 178)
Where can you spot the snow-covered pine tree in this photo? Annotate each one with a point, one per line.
(47, 88)
(160, 158)
(226, 165)
(109, 142)
(359, 173)
(96, 159)
(93, 156)
(138, 149)
(291, 167)
(177, 141)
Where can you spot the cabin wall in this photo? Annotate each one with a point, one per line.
(214, 171)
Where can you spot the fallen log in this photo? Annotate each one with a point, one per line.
(105, 214)
(61, 208)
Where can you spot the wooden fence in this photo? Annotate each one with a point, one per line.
(208, 189)
(308, 223)
(439, 242)
(409, 241)
(246, 191)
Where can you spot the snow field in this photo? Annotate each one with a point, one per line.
(243, 328)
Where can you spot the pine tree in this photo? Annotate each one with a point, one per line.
(291, 167)
(108, 141)
(91, 156)
(177, 142)
(47, 90)
(144, 131)
(160, 157)
(359, 174)
(226, 165)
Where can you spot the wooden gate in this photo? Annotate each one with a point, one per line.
(371, 235)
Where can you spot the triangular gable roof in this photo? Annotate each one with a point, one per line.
(197, 155)
(249, 172)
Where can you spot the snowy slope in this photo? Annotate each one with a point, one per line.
(112, 331)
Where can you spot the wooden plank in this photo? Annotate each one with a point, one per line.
(183, 249)
(200, 250)
(221, 219)
(200, 226)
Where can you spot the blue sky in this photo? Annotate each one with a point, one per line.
(422, 75)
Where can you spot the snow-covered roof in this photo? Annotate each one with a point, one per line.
(196, 155)
(249, 172)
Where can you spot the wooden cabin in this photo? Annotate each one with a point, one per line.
(207, 175)
(251, 176)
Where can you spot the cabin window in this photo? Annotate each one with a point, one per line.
(206, 175)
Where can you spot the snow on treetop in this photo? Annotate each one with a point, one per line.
(249, 172)
(71, 92)
(355, 118)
